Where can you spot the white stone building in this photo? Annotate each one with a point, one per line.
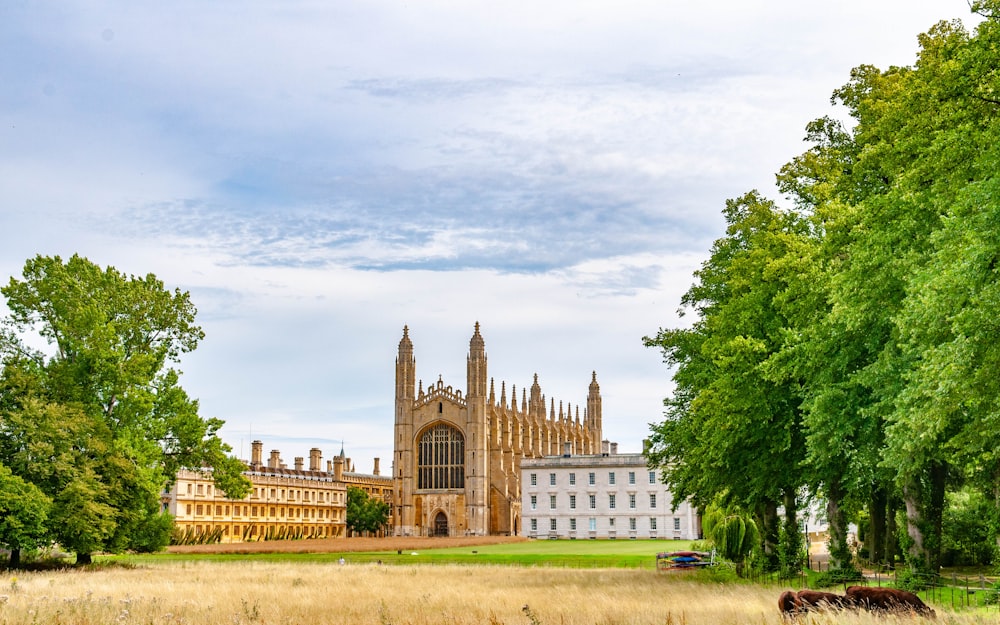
(607, 495)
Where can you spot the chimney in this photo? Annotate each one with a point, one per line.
(298, 463)
(614, 449)
(329, 466)
(258, 451)
(275, 460)
(604, 447)
(338, 469)
(375, 470)
(567, 449)
(315, 458)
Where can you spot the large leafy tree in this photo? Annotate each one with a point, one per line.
(98, 422)
(732, 431)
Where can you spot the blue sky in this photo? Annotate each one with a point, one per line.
(320, 174)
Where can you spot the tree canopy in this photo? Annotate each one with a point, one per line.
(845, 346)
(98, 422)
(365, 515)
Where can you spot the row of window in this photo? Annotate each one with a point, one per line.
(268, 511)
(319, 530)
(279, 494)
(592, 524)
(592, 500)
(591, 478)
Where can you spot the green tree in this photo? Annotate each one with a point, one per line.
(365, 514)
(24, 509)
(732, 431)
(733, 532)
(102, 413)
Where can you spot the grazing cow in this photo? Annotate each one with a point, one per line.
(791, 603)
(887, 600)
(819, 600)
(788, 604)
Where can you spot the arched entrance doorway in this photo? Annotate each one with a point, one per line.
(440, 524)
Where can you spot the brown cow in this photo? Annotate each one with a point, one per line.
(887, 600)
(788, 604)
(791, 603)
(819, 600)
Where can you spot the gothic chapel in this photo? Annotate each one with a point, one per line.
(457, 458)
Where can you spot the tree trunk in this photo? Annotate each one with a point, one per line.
(915, 523)
(15, 557)
(840, 551)
(891, 548)
(938, 476)
(876, 539)
(996, 511)
(924, 513)
(84, 558)
(769, 530)
(791, 538)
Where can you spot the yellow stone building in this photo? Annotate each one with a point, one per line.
(283, 502)
(456, 459)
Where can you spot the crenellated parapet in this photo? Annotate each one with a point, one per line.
(438, 392)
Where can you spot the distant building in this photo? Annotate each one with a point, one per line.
(606, 495)
(457, 456)
(283, 502)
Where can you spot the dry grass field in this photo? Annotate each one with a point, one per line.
(213, 593)
(338, 545)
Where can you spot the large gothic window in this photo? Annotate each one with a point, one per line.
(441, 458)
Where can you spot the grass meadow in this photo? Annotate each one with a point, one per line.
(633, 554)
(298, 589)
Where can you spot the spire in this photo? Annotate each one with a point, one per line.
(536, 402)
(476, 368)
(405, 367)
(492, 394)
(593, 414)
(477, 347)
(503, 394)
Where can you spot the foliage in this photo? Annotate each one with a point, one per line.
(734, 534)
(838, 577)
(24, 509)
(99, 423)
(967, 530)
(732, 430)
(365, 515)
(848, 345)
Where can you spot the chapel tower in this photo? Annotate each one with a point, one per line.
(457, 457)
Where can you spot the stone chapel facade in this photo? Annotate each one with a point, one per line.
(457, 456)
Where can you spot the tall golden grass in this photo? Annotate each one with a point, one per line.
(212, 593)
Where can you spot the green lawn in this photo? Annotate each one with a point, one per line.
(565, 553)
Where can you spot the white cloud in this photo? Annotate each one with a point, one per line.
(319, 174)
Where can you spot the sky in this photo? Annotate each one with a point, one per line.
(319, 174)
